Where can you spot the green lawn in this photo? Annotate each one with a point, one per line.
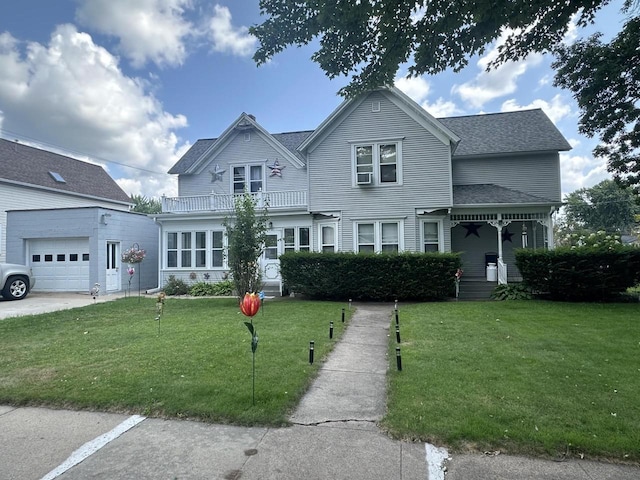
(112, 356)
(529, 377)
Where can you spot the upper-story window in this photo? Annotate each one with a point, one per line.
(248, 178)
(377, 163)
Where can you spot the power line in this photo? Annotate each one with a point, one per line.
(14, 136)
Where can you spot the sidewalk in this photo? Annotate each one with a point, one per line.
(334, 436)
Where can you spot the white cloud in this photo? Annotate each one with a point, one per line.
(72, 94)
(556, 109)
(148, 30)
(581, 171)
(498, 82)
(227, 38)
(418, 89)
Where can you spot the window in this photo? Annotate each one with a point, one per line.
(378, 236)
(172, 250)
(328, 238)
(35, 258)
(296, 239)
(217, 249)
(431, 233)
(271, 247)
(61, 257)
(73, 257)
(201, 249)
(197, 249)
(247, 177)
(185, 249)
(377, 164)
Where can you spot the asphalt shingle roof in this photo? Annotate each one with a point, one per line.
(502, 133)
(289, 140)
(483, 194)
(28, 165)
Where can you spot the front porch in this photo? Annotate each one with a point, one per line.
(487, 242)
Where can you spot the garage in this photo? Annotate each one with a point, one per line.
(60, 264)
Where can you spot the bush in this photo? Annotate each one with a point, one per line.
(205, 289)
(385, 277)
(512, 291)
(589, 273)
(175, 286)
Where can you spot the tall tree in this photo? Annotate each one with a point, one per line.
(142, 204)
(605, 81)
(605, 206)
(369, 39)
(246, 230)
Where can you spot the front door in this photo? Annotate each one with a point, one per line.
(113, 266)
(270, 262)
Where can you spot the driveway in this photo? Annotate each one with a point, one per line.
(43, 302)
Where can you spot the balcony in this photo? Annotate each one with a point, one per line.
(295, 199)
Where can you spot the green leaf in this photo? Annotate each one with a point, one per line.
(250, 327)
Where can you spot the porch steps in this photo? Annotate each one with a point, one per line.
(271, 290)
(476, 288)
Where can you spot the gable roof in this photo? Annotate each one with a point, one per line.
(396, 96)
(24, 165)
(490, 194)
(503, 133)
(203, 150)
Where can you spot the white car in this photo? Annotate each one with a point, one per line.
(15, 281)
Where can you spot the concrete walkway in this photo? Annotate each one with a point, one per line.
(334, 436)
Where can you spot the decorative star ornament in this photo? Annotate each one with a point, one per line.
(472, 229)
(506, 235)
(216, 173)
(276, 169)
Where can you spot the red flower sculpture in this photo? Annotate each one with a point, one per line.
(250, 304)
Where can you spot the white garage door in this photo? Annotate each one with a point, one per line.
(60, 265)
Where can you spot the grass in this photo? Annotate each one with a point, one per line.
(112, 356)
(528, 377)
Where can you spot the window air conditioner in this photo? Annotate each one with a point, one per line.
(364, 178)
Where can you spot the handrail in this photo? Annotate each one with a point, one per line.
(225, 202)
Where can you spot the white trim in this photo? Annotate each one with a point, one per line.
(356, 181)
(336, 239)
(377, 232)
(439, 221)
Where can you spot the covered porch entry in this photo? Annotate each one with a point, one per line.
(487, 241)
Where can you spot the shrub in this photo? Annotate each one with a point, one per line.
(205, 289)
(175, 286)
(588, 273)
(512, 291)
(405, 276)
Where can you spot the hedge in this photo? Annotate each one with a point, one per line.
(583, 274)
(384, 277)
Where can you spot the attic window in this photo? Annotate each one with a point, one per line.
(57, 177)
(247, 136)
(375, 106)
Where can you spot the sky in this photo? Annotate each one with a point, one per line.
(132, 84)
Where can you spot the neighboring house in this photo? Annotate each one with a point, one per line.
(69, 221)
(380, 174)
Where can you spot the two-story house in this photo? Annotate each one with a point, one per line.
(380, 174)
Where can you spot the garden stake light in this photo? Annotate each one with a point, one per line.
(249, 306)
(311, 353)
(397, 333)
(398, 359)
(343, 315)
(330, 330)
(397, 320)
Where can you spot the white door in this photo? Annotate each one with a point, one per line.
(270, 262)
(60, 264)
(113, 266)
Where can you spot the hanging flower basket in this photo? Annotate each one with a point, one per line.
(133, 255)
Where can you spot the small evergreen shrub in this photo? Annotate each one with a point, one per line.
(175, 286)
(206, 289)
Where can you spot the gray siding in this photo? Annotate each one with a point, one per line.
(124, 227)
(535, 174)
(238, 151)
(425, 171)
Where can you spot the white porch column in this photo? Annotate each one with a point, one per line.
(550, 238)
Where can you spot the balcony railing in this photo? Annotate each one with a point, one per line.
(224, 203)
